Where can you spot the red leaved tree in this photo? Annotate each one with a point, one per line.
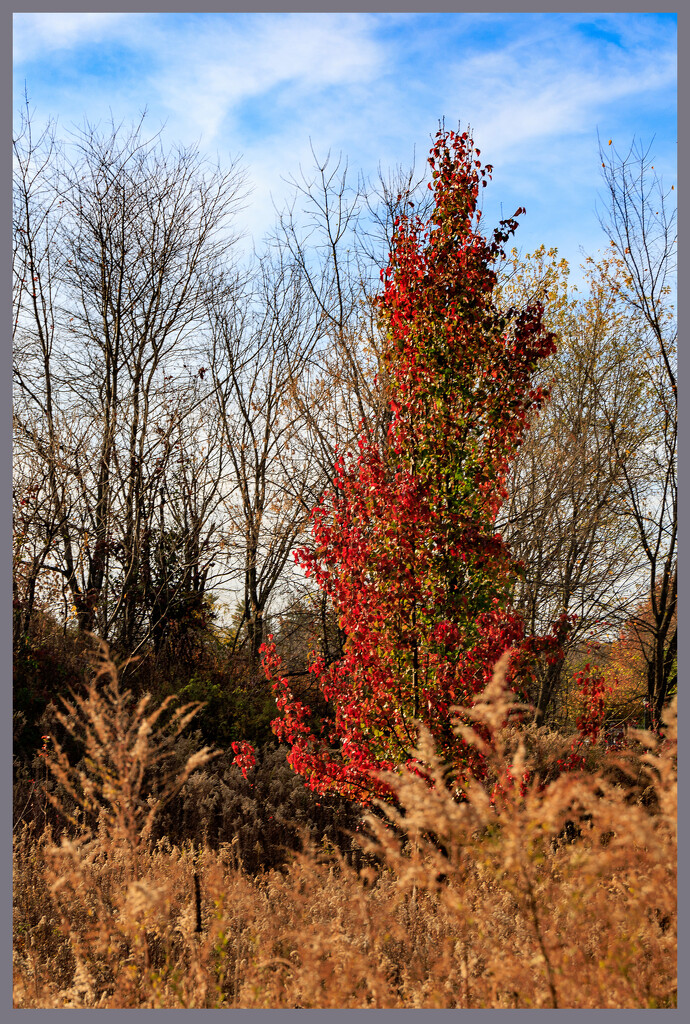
(404, 545)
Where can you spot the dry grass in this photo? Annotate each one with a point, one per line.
(471, 904)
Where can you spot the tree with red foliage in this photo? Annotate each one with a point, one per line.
(404, 544)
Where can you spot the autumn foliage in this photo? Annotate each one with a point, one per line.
(404, 544)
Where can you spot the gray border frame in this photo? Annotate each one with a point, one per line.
(212, 6)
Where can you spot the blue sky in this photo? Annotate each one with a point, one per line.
(534, 87)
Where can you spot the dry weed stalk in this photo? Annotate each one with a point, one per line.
(97, 874)
(473, 904)
(597, 916)
(121, 744)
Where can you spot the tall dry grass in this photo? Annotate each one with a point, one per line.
(465, 902)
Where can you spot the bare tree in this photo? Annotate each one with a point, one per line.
(115, 243)
(639, 218)
(338, 235)
(317, 233)
(181, 521)
(262, 336)
(35, 534)
(41, 499)
(565, 518)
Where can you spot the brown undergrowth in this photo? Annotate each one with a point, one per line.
(465, 902)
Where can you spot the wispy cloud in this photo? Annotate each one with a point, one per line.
(36, 35)
(276, 62)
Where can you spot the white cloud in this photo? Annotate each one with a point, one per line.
(37, 34)
(521, 100)
(207, 77)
